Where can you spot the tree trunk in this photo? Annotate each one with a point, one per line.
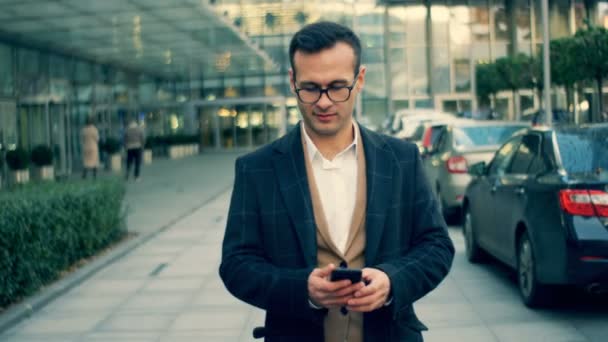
(600, 99)
(569, 100)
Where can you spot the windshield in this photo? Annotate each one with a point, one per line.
(584, 150)
(478, 136)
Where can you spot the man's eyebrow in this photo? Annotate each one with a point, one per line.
(310, 83)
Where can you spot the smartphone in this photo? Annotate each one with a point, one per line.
(351, 274)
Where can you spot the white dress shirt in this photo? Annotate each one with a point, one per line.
(337, 185)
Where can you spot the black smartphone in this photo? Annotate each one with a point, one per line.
(351, 274)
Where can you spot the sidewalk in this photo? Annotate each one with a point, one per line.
(166, 287)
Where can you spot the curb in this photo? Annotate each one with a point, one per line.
(21, 311)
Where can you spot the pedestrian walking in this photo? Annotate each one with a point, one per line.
(89, 142)
(327, 196)
(134, 143)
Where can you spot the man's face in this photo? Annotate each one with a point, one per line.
(333, 67)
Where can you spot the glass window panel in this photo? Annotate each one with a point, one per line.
(441, 69)
(418, 71)
(59, 67)
(501, 21)
(580, 14)
(83, 72)
(480, 20)
(460, 30)
(461, 64)
(374, 81)
(7, 81)
(415, 25)
(440, 16)
(559, 11)
(522, 28)
(399, 73)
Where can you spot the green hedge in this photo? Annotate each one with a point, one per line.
(47, 227)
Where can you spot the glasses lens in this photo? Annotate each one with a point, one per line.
(340, 94)
(309, 95)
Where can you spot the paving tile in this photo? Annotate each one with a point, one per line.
(123, 322)
(208, 320)
(157, 302)
(477, 333)
(556, 331)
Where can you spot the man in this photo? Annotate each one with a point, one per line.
(135, 140)
(331, 193)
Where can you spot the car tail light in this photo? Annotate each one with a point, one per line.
(426, 140)
(584, 202)
(600, 202)
(457, 164)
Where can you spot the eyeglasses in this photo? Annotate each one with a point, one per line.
(311, 95)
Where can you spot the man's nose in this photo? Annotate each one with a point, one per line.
(324, 101)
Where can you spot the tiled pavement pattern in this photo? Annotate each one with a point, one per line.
(167, 289)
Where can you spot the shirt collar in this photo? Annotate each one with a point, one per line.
(312, 148)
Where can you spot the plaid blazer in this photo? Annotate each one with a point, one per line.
(270, 247)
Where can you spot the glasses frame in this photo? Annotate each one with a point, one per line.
(326, 92)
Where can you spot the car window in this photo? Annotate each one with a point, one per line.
(440, 142)
(583, 150)
(476, 136)
(503, 157)
(528, 158)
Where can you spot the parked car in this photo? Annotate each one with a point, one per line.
(541, 207)
(560, 117)
(459, 144)
(394, 123)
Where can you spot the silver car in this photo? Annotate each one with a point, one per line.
(462, 143)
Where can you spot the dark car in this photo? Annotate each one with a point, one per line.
(541, 207)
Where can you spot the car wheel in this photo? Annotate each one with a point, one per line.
(473, 251)
(532, 292)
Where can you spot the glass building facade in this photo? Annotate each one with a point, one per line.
(219, 67)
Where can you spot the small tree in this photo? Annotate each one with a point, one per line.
(301, 18)
(487, 82)
(564, 68)
(592, 57)
(18, 159)
(42, 155)
(270, 20)
(515, 72)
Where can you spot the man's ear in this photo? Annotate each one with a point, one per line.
(292, 84)
(361, 78)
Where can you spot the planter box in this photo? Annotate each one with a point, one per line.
(19, 176)
(44, 173)
(174, 152)
(115, 162)
(147, 157)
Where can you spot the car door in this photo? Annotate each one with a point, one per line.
(511, 194)
(433, 162)
(487, 228)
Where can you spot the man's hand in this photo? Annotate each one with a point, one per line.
(330, 294)
(374, 295)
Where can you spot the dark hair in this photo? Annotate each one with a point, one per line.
(322, 35)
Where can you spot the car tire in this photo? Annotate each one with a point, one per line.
(533, 293)
(473, 252)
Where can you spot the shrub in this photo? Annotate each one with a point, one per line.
(42, 155)
(111, 146)
(46, 228)
(17, 159)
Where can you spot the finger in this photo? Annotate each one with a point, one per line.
(349, 290)
(326, 271)
(363, 301)
(366, 291)
(323, 272)
(333, 286)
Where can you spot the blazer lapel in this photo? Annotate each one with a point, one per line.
(379, 171)
(293, 184)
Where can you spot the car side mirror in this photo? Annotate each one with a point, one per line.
(478, 169)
